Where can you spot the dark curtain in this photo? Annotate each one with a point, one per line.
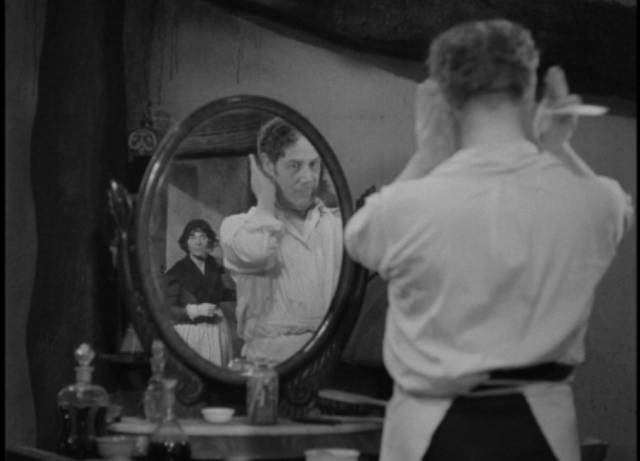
(78, 143)
(594, 40)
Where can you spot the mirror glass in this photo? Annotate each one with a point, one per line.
(245, 259)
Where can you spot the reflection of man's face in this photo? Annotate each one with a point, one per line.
(297, 174)
(198, 244)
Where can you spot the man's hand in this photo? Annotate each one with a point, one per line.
(553, 131)
(435, 130)
(262, 186)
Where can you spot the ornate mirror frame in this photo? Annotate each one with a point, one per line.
(146, 306)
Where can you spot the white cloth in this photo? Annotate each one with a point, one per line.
(285, 279)
(492, 261)
(211, 341)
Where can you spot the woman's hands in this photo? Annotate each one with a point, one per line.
(203, 310)
(262, 186)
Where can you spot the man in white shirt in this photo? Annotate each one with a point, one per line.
(492, 240)
(285, 253)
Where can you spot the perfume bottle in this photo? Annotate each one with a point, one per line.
(82, 410)
(262, 393)
(168, 442)
(153, 400)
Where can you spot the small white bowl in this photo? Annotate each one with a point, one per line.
(116, 447)
(217, 415)
(331, 454)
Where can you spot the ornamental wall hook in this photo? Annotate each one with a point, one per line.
(143, 141)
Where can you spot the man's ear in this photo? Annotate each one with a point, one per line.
(265, 164)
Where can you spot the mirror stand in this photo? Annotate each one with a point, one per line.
(298, 390)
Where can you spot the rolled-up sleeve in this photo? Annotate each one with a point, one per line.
(250, 242)
(624, 208)
(364, 236)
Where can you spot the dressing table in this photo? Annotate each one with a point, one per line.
(286, 440)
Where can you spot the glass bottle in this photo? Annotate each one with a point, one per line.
(153, 400)
(82, 409)
(168, 442)
(262, 393)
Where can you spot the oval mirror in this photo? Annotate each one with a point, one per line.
(242, 261)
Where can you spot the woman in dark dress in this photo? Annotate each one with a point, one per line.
(196, 290)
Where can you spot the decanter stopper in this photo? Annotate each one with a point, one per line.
(157, 356)
(84, 355)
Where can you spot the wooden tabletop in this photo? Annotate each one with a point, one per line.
(286, 440)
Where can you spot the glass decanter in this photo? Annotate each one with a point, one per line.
(168, 442)
(153, 400)
(82, 409)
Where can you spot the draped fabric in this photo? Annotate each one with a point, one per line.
(576, 34)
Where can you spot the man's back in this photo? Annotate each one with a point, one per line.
(492, 261)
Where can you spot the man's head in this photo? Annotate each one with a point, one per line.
(197, 238)
(292, 162)
(482, 58)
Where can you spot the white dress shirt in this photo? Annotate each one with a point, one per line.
(492, 261)
(285, 278)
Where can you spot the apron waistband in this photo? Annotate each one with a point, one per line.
(505, 378)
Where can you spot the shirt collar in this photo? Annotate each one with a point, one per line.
(310, 223)
(500, 158)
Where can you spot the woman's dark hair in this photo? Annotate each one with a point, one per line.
(479, 57)
(197, 225)
(275, 136)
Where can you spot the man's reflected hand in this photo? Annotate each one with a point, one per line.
(262, 186)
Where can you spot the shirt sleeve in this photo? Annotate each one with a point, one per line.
(250, 241)
(624, 208)
(364, 235)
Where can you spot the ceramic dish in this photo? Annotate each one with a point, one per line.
(331, 454)
(217, 415)
(116, 447)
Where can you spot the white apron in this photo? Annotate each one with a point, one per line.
(211, 341)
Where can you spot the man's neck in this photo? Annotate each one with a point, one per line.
(297, 218)
(488, 124)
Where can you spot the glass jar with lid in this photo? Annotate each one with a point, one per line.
(262, 393)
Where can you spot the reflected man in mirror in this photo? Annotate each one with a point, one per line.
(284, 254)
(196, 289)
